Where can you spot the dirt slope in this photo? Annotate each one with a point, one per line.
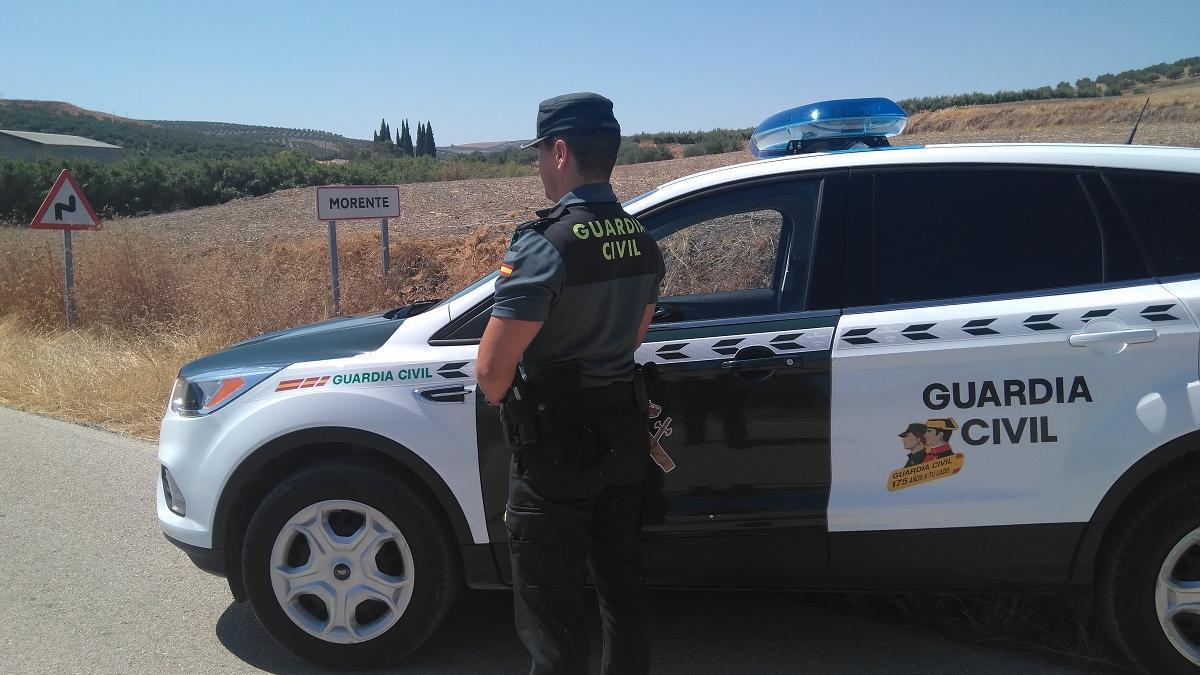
(426, 208)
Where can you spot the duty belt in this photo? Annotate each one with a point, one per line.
(615, 395)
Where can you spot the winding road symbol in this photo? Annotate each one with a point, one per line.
(68, 207)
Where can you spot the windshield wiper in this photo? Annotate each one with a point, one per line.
(410, 310)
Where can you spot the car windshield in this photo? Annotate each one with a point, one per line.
(633, 200)
(487, 278)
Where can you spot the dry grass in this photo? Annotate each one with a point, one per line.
(132, 282)
(114, 379)
(145, 309)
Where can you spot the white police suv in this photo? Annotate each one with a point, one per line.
(953, 368)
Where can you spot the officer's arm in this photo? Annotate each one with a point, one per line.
(647, 317)
(503, 343)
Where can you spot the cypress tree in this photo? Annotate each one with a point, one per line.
(383, 131)
(406, 143)
(431, 144)
(420, 140)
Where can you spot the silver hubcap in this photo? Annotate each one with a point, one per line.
(1177, 596)
(342, 571)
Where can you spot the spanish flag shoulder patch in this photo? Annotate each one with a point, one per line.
(506, 270)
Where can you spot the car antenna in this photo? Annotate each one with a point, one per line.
(1139, 121)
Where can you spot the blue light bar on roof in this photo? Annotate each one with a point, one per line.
(794, 131)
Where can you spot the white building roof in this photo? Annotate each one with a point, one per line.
(57, 139)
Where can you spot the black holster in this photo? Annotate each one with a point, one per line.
(517, 415)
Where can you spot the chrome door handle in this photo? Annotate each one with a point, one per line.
(455, 393)
(1129, 337)
(768, 363)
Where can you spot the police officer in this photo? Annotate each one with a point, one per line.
(913, 440)
(576, 293)
(937, 438)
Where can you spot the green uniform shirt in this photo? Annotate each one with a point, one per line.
(587, 269)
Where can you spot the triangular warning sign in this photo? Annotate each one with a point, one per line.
(66, 208)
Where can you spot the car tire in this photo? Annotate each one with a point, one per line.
(1156, 543)
(401, 565)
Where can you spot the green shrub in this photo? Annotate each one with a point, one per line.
(633, 153)
(140, 183)
(1106, 84)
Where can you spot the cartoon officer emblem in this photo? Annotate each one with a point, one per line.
(937, 438)
(912, 439)
(929, 455)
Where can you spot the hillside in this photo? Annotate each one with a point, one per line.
(456, 207)
(279, 137)
(427, 209)
(56, 117)
(1172, 118)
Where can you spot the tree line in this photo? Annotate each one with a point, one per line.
(35, 116)
(1107, 84)
(141, 183)
(403, 145)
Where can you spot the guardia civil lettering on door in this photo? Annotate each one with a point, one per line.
(355, 202)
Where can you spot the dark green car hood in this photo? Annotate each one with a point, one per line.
(332, 339)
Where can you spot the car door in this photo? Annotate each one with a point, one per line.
(1003, 358)
(741, 347)
(740, 421)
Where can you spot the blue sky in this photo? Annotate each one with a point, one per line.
(477, 70)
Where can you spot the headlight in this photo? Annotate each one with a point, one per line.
(207, 393)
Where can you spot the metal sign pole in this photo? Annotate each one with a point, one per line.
(333, 267)
(383, 236)
(69, 275)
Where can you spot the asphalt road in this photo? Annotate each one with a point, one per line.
(90, 585)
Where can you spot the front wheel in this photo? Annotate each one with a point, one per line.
(348, 566)
(1149, 584)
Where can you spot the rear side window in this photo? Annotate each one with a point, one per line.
(958, 233)
(1166, 215)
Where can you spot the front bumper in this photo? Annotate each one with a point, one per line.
(210, 560)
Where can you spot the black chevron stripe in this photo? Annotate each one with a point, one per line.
(980, 327)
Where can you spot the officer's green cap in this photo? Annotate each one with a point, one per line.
(574, 113)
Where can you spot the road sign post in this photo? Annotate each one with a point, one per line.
(66, 208)
(333, 268)
(355, 202)
(69, 279)
(383, 239)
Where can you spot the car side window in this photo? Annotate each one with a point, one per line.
(727, 254)
(944, 234)
(1166, 214)
(735, 252)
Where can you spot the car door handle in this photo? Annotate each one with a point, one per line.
(1129, 336)
(768, 363)
(667, 313)
(456, 393)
